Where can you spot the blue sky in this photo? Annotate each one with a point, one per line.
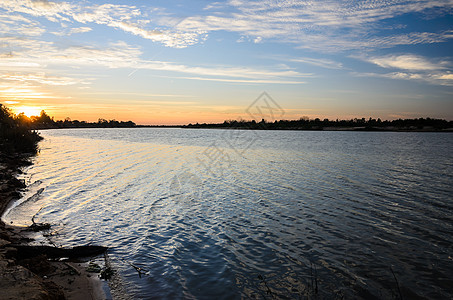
(175, 62)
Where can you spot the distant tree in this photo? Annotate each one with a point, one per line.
(42, 121)
(23, 119)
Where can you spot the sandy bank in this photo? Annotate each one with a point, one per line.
(35, 277)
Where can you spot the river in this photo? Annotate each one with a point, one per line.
(231, 214)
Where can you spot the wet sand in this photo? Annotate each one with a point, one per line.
(36, 277)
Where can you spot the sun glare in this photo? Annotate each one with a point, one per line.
(29, 110)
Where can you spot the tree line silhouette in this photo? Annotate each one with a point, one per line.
(304, 123)
(44, 121)
(18, 132)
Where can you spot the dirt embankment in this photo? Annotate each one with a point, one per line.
(25, 275)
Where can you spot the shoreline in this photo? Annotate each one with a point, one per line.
(35, 277)
(271, 128)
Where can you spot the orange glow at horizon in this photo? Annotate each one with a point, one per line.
(29, 111)
(147, 116)
(173, 115)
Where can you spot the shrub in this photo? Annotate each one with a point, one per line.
(15, 135)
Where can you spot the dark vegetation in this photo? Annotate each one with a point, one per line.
(17, 144)
(21, 123)
(15, 136)
(304, 123)
(101, 123)
(44, 121)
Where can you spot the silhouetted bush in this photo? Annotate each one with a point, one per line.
(15, 134)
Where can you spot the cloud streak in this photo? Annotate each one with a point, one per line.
(20, 92)
(123, 17)
(18, 24)
(411, 67)
(245, 81)
(319, 62)
(434, 78)
(122, 55)
(321, 25)
(407, 62)
(42, 78)
(72, 31)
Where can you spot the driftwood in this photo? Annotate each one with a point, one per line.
(38, 226)
(138, 269)
(24, 251)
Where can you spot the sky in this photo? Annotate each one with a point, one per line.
(179, 62)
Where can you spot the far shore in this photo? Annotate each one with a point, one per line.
(207, 126)
(258, 122)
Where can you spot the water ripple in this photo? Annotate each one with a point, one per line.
(344, 209)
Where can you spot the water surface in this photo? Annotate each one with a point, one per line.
(241, 214)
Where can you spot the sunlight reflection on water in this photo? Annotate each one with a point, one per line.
(213, 217)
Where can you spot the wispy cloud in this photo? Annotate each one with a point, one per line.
(320, 25)
(32, 52)
(18, 24)
(317, 25)
(411, 67)
(407, 62)
(53, 11)
(146, 95)
(42, 78)
(435, 78)
(123, 55)
(245, 81)
(363, 41)
(124, 17)
(20, 92)
(319, 62)
(448, 76)
(171, 39)
(71, 31)
(11, 102)
(237, 72)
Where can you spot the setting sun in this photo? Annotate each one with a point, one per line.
(29, 111)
